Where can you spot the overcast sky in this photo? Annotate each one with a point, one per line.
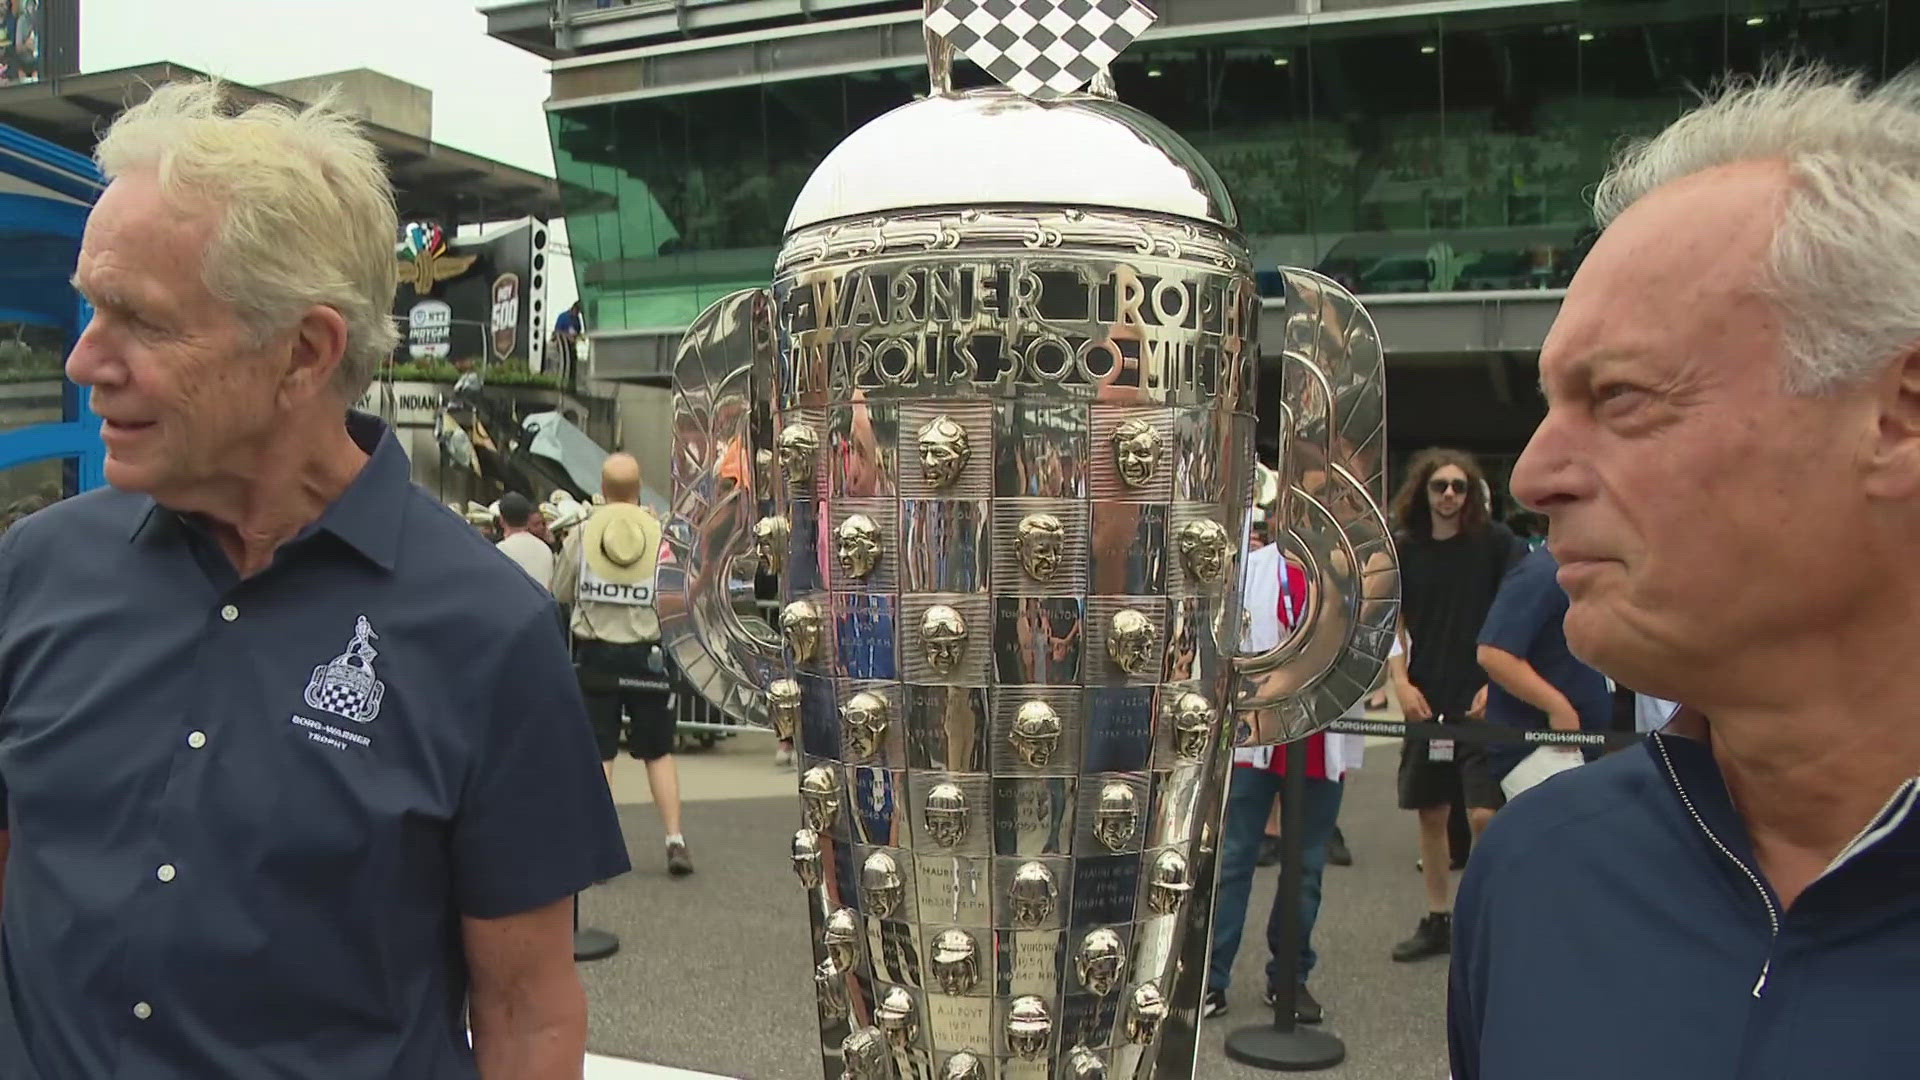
(487, 95)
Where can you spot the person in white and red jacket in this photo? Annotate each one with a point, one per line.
(1275, 597)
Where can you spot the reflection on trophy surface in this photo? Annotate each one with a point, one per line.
(1011, 408)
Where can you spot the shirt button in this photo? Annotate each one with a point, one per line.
(197, 740)
(142, 1010)
(229, 613)
(165, 873)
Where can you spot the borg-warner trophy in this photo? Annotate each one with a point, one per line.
(993, 425)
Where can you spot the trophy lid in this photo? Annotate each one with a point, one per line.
(1037, 139)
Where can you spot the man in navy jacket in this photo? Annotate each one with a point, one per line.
(1731, 464)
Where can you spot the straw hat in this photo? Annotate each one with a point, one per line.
(621, 543)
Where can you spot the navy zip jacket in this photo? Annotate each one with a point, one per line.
(1613, 925)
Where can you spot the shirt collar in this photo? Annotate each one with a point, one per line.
(366, 516)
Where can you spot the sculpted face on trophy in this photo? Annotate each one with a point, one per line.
(897, 1018)
(1041, 540)
(1029, 1028)
(1102, 959)
(956, 962)
(800, 621)
(1136, 452)
(864, 1053)
(1130, 641)
(799, 447)
(944, 450)
(820, 798)
(1033, 893)
(783, 705)
(1036, 733)
(863, 723)
(1170, 883)
(946, 815)
(857, 543)
(806, 857)
(1145, 1013)
(1117, 817)
(830, 986)
(770, 535)
(943, 636)
(841, 938)
(963, 1066)
(880, 881)
(1192, 717)
(1203, 550)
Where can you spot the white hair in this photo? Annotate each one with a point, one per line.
(1844, 266)
(306, 210)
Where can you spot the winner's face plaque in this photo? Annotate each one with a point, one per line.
(956, 963)
(963, 1066)
(1203, 550)
(880, 879)
(1040, 538)
(1117, 818)
(1029, 1028)
(806, 857)
(946, 815)
(770, 535)
(1192, 725)
(1034, 893)
(1102, 958)
(820, 798)
(1136, 452)
(943, 634)
(783, 704)
(857, 542)
(1084, 1064)
(865, 1055)
(1036, 733)
(799, 446)
(1144, 1013)
(863, 724)
(830, 986)
(944, 450)
(897, 1018)
(1171, 884)
(800, 621)
(1130, 641)
(841, 939)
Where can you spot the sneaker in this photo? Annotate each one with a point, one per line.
(1337, 852)
(1306, 1008)
(679, 864)
(1433, 937)
(783, 758)
(1213, 1004)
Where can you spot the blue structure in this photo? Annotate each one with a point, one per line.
(46, 192)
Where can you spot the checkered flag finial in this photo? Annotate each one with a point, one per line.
(1040, 48)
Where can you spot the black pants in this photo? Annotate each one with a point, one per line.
(629, 679)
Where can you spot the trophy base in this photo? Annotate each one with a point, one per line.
(1301, 1049)
(591, 944)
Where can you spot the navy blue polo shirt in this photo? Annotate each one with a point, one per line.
(247, 816)
(1526, 620)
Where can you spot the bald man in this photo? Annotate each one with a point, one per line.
(606, 572)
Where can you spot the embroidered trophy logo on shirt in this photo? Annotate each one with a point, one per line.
(347, 686)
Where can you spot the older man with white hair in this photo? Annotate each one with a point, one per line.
(297, 781)
(1731, 463)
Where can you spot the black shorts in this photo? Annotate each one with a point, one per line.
(1465, 780)
(649, 722)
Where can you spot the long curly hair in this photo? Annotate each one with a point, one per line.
(1413, 513)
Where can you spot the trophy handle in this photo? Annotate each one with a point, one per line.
(722, 383)
(1332, 487)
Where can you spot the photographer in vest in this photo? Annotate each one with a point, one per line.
(605, 572)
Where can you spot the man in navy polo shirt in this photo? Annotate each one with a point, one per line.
(296, 775)
(1535, 683)
(1730, 462)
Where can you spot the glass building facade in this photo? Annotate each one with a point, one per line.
(1436, 153)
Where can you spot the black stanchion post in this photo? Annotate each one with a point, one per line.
(591, 944)
(1286, 1045)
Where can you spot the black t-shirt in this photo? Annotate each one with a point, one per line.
(1446, 587)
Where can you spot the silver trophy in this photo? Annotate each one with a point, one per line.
(1006, 374)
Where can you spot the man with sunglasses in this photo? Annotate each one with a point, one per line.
(1452, 558)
